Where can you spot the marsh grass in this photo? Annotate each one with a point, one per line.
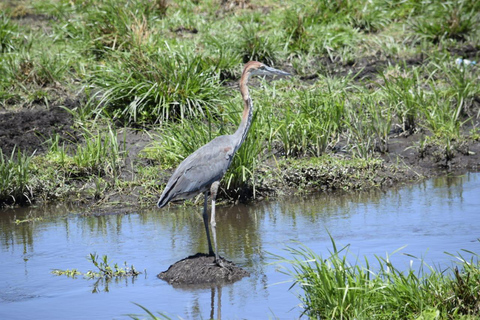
(106, 26)
(255, 46)
(171, 65)
(161, 316)
(156, 87)
(461, 88)
(403, 93)
(10, 38)
(310, 122)
(101, 154)
(447, 20)
(334, 288)
(15, 178)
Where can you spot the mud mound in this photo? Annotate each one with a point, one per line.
(200, 269)
(28, 129)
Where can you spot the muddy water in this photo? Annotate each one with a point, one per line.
(438, 215)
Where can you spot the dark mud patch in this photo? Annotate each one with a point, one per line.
(201, 270)
(28, 130)
(431, 159)
(467, 52)
(363, 69)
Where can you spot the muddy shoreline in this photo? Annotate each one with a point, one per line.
(405, 162)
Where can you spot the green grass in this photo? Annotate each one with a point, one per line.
(308, 127)
(100, 154)
(170, 68)
(15, 178)
(334, 288)
(448, 20)
(9, 37)
(156, 87)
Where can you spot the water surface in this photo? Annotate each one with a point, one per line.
(436, 216)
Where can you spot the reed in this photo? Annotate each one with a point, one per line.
(334, 288)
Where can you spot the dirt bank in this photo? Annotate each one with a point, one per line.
(405, 161)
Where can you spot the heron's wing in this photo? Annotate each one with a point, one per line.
(199, 170)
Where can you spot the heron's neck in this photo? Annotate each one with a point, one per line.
(247, 115)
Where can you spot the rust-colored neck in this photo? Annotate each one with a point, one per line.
(247, 115)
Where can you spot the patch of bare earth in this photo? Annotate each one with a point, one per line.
(27, 130)
(201, 270)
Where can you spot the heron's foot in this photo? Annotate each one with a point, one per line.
(219, 263)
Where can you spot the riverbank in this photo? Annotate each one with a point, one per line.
(98, 108)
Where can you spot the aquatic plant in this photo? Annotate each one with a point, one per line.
(333, 288)
(105, 270)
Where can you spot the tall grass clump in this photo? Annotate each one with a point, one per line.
(101, 154)
(461, 87)
(296, 30)
(108, 25)
(369, 16)
(222, 54)
(310, 122)
(404, 93)
(14, 177)
(333, 288)
(254, 45)
(439, 20)
(9, 36)
(157, 86)
(367, 124)
(440, 117)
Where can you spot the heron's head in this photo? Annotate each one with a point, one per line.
(253, 68)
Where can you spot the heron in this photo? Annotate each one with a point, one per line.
(202, 170)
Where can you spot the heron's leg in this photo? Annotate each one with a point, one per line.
(213, 224)
(205, 222)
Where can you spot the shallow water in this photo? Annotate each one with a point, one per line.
(437, 216)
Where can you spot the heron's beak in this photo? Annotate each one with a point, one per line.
(276, 72)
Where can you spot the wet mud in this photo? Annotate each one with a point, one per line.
(27, 130)
(201, 270)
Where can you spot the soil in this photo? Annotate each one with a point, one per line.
(27, 130)
(201, 270)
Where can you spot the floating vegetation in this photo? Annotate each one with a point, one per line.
(104, 270)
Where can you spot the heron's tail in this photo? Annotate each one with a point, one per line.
(162, 202)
